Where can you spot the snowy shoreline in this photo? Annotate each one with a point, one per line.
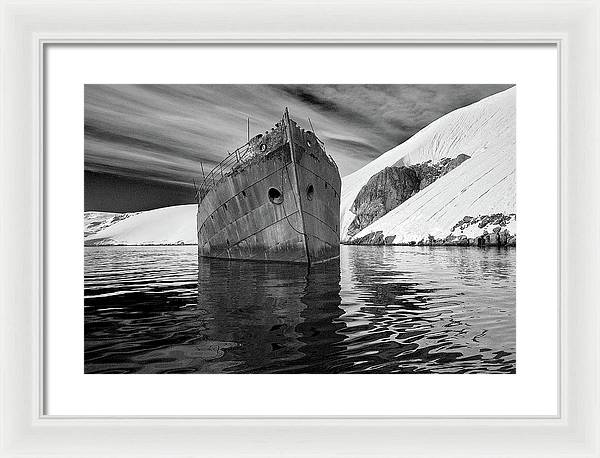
(137, 244)
(471, 244)
(435, 244)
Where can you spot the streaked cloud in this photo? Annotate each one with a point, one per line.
(161, 133)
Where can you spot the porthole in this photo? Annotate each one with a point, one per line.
(310, 192)
(263, 147)
(275, 196)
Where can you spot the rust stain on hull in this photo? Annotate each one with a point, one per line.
(278, 201)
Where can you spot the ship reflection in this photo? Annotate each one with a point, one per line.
(269, 317)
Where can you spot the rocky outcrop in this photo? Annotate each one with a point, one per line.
(429, 172)
(374, 238)
(383, 192)
(497, 230)
(482, 221)
(393, 185)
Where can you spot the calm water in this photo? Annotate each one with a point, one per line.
(380, 310)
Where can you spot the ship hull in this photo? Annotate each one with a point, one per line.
(280, 207)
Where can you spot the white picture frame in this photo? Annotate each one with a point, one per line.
(27, 27)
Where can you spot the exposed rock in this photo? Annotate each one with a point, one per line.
(373, 238)
(389, 240)
(428, 172)
(383, 192)
(480, 231)
(487, 230)
(462, 224)
(393, 185)
(496, 219)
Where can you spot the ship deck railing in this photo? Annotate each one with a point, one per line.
(220, 171)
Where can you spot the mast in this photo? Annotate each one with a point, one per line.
(288, 125)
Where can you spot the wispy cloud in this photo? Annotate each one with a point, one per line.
(161, 133)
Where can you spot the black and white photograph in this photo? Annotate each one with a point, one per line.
(305, 228)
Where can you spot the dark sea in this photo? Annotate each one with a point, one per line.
(378, 310)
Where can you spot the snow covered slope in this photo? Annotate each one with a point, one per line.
(96, 221)
(163, 226)
(482, 185)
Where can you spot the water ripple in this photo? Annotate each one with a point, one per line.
(380, 310)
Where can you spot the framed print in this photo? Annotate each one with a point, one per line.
(292, 232)
(240, 263)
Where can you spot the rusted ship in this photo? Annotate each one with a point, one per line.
(276, 199)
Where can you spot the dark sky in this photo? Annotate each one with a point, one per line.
(144, 143)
